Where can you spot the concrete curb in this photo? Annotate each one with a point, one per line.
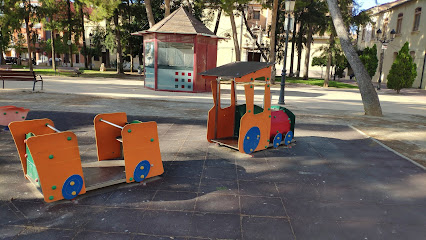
(388, 148)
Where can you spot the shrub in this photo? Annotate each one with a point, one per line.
(403, 70)
(370, 60)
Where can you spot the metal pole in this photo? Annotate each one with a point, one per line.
(423, 71)
(54, 129)
(283, 72)
(110, 123)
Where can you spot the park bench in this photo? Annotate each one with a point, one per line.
(5, 67)
(6, 75)
(75, 70)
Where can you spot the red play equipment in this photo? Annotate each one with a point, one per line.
(176, 49)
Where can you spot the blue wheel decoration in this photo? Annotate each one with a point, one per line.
(251, 140)
(288, 138)
(72, 186)
(277, 140)
(141, 170)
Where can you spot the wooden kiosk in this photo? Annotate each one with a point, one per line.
(247, 128)
(176, 49)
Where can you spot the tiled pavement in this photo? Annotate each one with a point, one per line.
(333, 183)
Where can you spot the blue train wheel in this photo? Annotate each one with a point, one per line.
(251, 140)
(72, 186)
(277, 140)
(141, 170)
(288, 138)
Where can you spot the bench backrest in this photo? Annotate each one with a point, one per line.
(17, 75)
(68, 68)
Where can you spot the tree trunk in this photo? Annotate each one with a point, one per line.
(216, 27)
(299, 51)
(189, 5)
(252, 35)
(118, 43)
(69, 32)
(149, 13)
(52, 42)
(273, 41)
(235, 37)
(27, 30)
(167, 8)
(368, 93)
(293, 45)
(308, 51)
(329, 58)
(83, 35)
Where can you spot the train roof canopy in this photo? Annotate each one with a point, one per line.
(237, 69)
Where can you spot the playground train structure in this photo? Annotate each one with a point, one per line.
(247, 127)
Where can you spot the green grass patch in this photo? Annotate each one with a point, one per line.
(110, 73)
(311, 81)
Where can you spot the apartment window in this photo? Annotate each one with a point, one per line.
(256, 15)
(373, 33)
(363, 35)
(96, 58)
(77, 58)
(385, 26)
(417, 14)
(399, 23)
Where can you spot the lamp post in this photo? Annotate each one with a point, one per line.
(384, 41)
(289, 7)
(90, 49)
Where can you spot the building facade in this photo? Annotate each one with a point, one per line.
(405, 18)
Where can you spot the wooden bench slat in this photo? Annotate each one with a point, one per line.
(20, 76)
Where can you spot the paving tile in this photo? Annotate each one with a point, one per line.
(220, 173)
(218, 186)
(217, 226)
(180, 184)
(132, 197)
(45, 234)
(89, 235)
(10, 215)
(319, 229)
(262, 206)
(190, 169)
(266, 228)
(303, 190)
(170, 200)
(10, 232)
(165, 223)
(150, 237)
(220, 163)
(62, 214)
(120, 220)
(218, 203)
(257, 188)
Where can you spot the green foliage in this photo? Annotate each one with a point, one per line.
(319, 61)
(403, 70)
(370, 60)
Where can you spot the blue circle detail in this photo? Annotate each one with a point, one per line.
(288, 138)
(77, 184)
(277, 140)
(139, 172)
(251, 140)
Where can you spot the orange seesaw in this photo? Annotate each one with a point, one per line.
(51, 160)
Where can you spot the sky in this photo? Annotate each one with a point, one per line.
(365, 4)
